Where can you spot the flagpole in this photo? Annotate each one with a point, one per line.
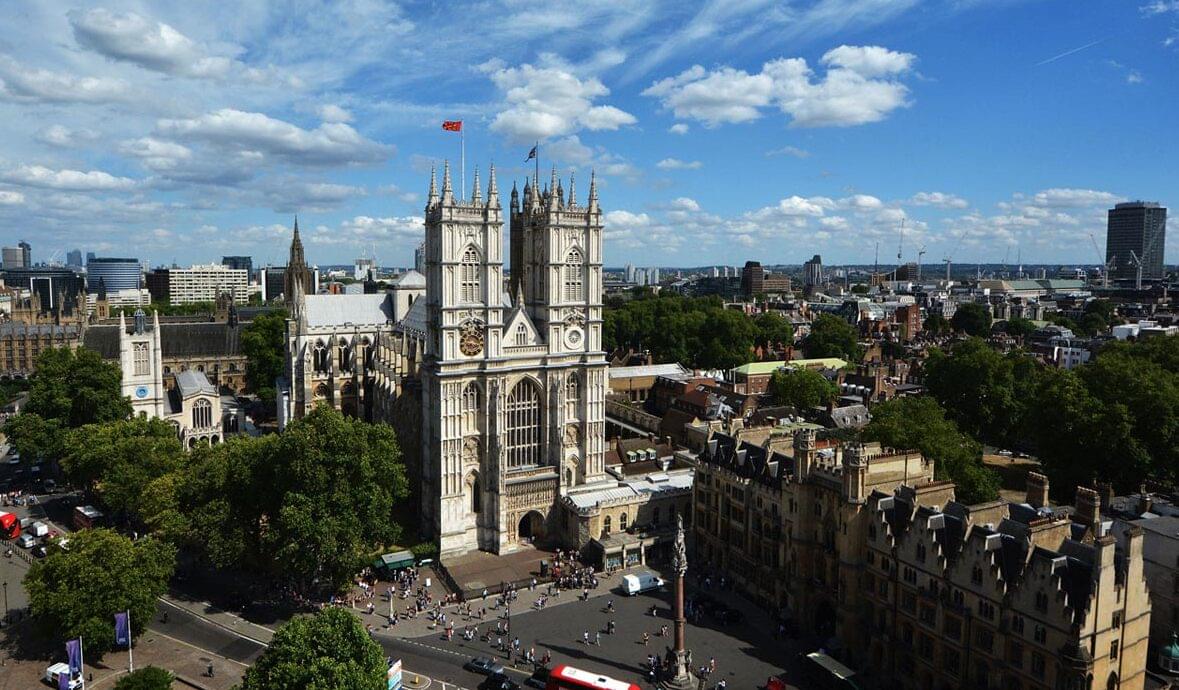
(81, 662)
(130, 654)
(462, 161)
(536, 179)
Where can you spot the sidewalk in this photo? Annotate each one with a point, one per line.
(229, 621)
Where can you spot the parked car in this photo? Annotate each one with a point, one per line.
(60, 669)
(50, 486)
(484, 665)
(636, 583)
(39, 551)
(499, 681)
(539, 678)
(26, 541)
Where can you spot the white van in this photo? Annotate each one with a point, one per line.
(39, 529)
(636, 583)
(60, 669)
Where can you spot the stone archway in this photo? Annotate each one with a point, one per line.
(531, 527)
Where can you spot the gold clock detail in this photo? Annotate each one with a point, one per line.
(471, 340)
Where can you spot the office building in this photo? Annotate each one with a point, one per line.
(751, 278)
(1136, 234)
(812, 272)
(241, 263)
(630, 273)
(89, 257)
(74, 258)
(18, 257)
(117, 274)
(207, 282)
(55, 287)
(362, 267)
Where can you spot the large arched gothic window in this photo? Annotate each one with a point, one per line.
(522, 429)
(469, 288)
(470, 406)
(319, 358)
(574, 286)
(202, 414)
(572, 396)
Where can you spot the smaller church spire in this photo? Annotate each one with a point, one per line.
(447, 192)
(572, 192)
(515, 198)
(560, 194)
(476, 195)
(553, 184)
(492, 187)
(593, 192)
(432, 197)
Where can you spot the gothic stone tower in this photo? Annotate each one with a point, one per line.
(297, 271)
(142, 362)
(513, 390)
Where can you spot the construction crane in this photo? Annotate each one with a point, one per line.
(920, 253)
(1137, 261)
(1106, 266)
(948, 259)
(901, 244)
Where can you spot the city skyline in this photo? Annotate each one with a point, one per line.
(719, 134)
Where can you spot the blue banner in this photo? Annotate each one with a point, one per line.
(63, 681)
(123, 629)
(74, 654)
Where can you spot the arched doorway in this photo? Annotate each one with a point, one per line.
(531, 528)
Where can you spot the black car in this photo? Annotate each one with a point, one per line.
(539, 678)
(39, 551)
(484, 665)
(499, 681)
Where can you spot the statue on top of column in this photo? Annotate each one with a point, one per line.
(679, 557)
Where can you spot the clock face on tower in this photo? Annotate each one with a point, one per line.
(141, 392)
(471, 339)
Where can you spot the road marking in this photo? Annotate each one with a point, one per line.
(199, 649)
(461, 655)
(218, 624)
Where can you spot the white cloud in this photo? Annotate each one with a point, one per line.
(363, 231)
(789, 151)
(332, 143)
(30, 85)
(861, 202)
(938, 199)
(157, 154)
(1074, 198)
(678, 128)
(11, 198)
(334, 113)
(129, 37)
(1160, 7)
(550, 101)
(64, 137)
(862, 85)
(677, 164)
(1134, 77)
(71, 180)
(571, 152)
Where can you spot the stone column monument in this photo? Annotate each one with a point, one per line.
(679, 659)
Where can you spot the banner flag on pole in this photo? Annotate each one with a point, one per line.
(63, 681)
(123, 629)
(452, 125)
(531, 154)
(74, 654)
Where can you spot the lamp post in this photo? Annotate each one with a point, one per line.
(679, 659)
(6, 600)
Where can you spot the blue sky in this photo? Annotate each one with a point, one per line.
(720, 131)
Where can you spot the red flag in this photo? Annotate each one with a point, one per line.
(452, 125)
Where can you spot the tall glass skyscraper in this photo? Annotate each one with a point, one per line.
(1136, 229)
(117, 274)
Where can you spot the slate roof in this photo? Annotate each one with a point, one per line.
(747, 460)
(19, 329)
(414, 321)
(411, 279)
(192, 382)
(209, 339)
(323, 311)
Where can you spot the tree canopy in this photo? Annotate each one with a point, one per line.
(831, 336)
(920, 423)
(1019, 327)
(697, 331)
(801, 388)
(77, 591)
(306, 506)
(972, 318)
(146, 678)
(976, 385)
(328, 651)
(264, 343)
(773, 330)
(936, 324)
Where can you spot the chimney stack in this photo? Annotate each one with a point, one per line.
(1037, 490)
(1088, 510)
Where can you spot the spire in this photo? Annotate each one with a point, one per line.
(476, 195)
(527, 192)
(432, 197)
(447, 192)
(102, 289)
(572, 192)
(492, 187)
(593, 192)
(552, 188)
(560, 194)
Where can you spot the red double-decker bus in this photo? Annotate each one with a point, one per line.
(568, 678)
(9, 526)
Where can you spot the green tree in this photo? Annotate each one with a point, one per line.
(146, 678)
(327, 651)
(972, 318)
(1019, 327)
(772, 330)
(1092, 323)
(77, 592)
(264, 343)
(920, 423)
(831, 336)
(306, 506)
(859, 289)
(975, 384)
(936, 324)
(1103, 308)
(33, 436)
(801, 388)
(77, 388)
(727, 339)
(120, 459)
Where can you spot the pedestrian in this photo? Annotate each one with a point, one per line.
(610, 627)
(585, 637)
(646, 639)
(712, 664)
(598, 638)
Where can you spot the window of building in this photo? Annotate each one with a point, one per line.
(871, 531)
(908, 601)
(140, 361)
(470, 406)
(883, 587)
(909, 575)
(1017, 624)
(1041, 602)
(1117, 619)
(951, 661)
(622, 522)
(928, 614)
(987, 610)
(573, 397)
(1113, 650)
(952, 627)
(1040, 634)
(1015, 654)
(522, 430)
(1037, 665)
(574, 271)
(985, 639)
(521, 335)
(925, 646)
(606, 526)
(202, 414)
(469, 287)
(976, 575)
(921, 553)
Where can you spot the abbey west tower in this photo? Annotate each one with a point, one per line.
(513, 382)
